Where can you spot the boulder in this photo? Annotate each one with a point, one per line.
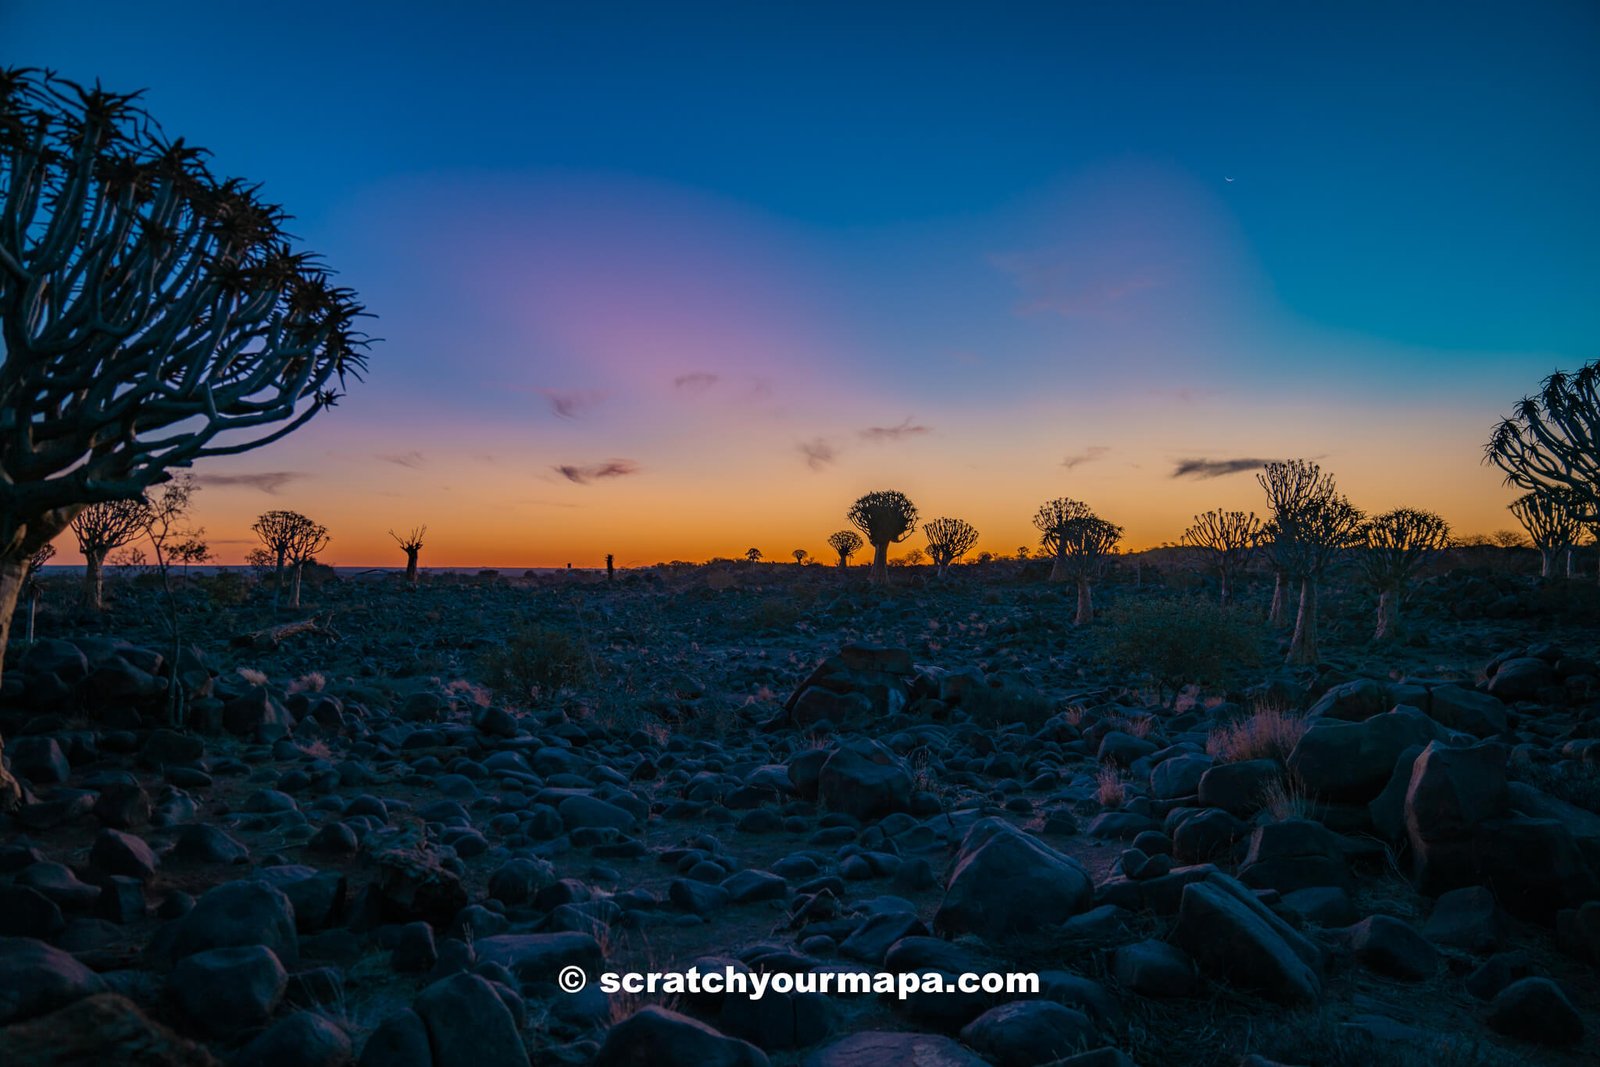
(1351, 761)
(237, 914)
(884, 1048)
(36, 978)
(1389, 947)
(1294, 854)
(469, 1025)
(1353, 701)
(305, 1039)
(1230, 940)
(1452, 792)
(1467, 710)
(1535, 1009)
(656, 1037)
(865, 780)
(1005, 881)
(225, 990)
(101, 1029)
(1027, 1032)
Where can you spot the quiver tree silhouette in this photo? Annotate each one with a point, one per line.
(846, 543)
(948, 541)
(1550, 444)
(1396, 544)
(1552, 523)
(1312, 524)
(1230, 538)
(799, 555)
(101, 529)
(1289, 484)
(752, 555)
(309, 539)
(278, 531)
(411, 545)
(884, 517)
(32, 587)
(1053, 519)
(152, 315)
(611, 567)
(1081, 546)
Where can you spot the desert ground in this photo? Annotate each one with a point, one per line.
(381, 837)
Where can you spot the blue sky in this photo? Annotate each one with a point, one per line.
(1010, 225)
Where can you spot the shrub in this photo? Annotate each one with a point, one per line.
(1269, 733)
(535, 661)
(1178, 641)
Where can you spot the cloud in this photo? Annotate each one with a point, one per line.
(1215, 468)
(695, 382)
(1055, 281)
(570, 403)
(268, 482)
(611, 468)
(405, 459)
(883, 434)
(818, 453)
(1088, 455)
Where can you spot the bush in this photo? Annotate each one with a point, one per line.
(1178, 641)
(535, 661)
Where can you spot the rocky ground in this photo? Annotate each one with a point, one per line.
(380, 840)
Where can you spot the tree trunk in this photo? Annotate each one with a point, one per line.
(12, 572)
(1085, 603)
(1303, 647)
(94, 570)
(1224, 583)
(880, 564)
(1569, 561)
(1388, 616)
(1279, 595)
(1545, 557)
(411, 568)
(1058, 569)
(294, 585)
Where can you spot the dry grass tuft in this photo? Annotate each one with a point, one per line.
(1269, 733)
(1112, 791)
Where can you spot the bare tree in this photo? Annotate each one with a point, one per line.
(1230, 537)
(1396, 545)
(32, 587)
(1552, 523)
(1053, 519)
(278, 531)
(152, 315)
(1312, 536)
(885, 517)
(411, 545)
(309, 539)
(1080, 546)
(102, 529)
(164, 513)
(1290, 485)
(948, 541)
(847, 543)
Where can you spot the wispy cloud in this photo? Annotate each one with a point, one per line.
(268, 482)
(1088, 455)
(1215, 468)
(883, 434)
(405, 459)
(583, 475)
(695, 382)
(570, 403)
(818, 453)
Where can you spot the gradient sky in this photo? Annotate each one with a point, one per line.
(673, 280)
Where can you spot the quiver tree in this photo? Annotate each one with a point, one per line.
(846, 543)
(885, 517)
(1550, 444)
(1290, 484)
(1229, 537)
(411, 545)
(1552, 523)
(102, 529)
(278, 531)
(1395, 545)
(752, 555)
(1053, 519)
(309, 539)
(151, 314)
(32, 587)
(1307, 540)
(1080, 546)
(948, 541)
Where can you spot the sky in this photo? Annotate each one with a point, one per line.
(673, 281)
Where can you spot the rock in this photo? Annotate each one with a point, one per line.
(413, 883)
(1388, 809)
(168, 747)
(1207, 835)
(1466, 918)
(1350, 762)
(656, 1037)
(39, 760)
(26, 912)
(238, 914)
(870, 942)
(101, 1029)
(1294, 854)
(864, 780)
(35, 979)
(1154, 969)
(1005, 881)
(1521, 678)
(517, 880)
(401, 1040)
(1122, 749)
(256, 714)
(1497, 972)
(752, 885)
(1452, 791)
(304, 1039)
(779, 1020)
(115, 852)
(1389, 947)
(581, 811)
(1178, 776)
(1028, 1032)
(1354, 701)
(414, 950)
(122, 806)
(1468, 710)
(120, 900)
(224, 990)
(469, 1025)
(1230, 940)
(538, 958)
(883, 1048)
(1535, 1009)
(1238, 788)
(204, 843)
(1320, 905)
(697, 898)
(1535, 867)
